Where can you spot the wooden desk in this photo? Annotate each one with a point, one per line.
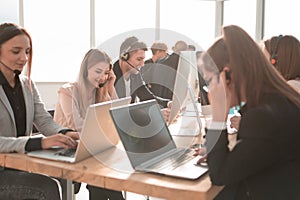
(112, 170)
(93, 172)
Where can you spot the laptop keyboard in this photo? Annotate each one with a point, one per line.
(173, 161)
(66, 152)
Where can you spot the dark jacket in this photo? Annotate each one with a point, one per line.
(137, 89)
(265, 163)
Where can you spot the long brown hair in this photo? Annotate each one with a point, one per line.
(251, 70)
(286, 52)
(10, 30)
(92, 57)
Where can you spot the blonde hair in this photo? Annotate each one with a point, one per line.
(92, 57)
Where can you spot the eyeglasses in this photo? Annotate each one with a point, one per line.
(208, 81)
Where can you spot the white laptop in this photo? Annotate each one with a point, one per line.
(98, 134)
(148, 143)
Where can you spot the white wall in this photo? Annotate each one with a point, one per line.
(48, 92)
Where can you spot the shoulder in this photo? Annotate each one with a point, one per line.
(116, 66)
(117, 69)
(273, 111)
(67, 88)
(23, 78)
(295, 84)
(24, 81)
(172, 60)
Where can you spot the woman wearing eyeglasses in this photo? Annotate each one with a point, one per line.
(265, 162)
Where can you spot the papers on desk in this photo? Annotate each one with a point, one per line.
(186, 125)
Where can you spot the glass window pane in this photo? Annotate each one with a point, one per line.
(60, 34)
(9, 11)
(282, 17)
(241, 13)
(192, 18)
(115, 17)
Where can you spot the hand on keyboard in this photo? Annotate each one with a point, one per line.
(66, 152)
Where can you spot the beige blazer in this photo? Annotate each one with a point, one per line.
(35, 113)
(67, 111)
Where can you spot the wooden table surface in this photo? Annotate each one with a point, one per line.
(112, 170)
(94, 172)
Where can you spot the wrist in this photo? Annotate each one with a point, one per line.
(64, 131)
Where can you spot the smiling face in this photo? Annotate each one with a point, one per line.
(15, 53)
(98, 73)
(136, 59)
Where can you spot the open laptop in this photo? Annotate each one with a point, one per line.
(148, 143)
(98, 134)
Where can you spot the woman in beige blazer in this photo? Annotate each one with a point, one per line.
(95, 84)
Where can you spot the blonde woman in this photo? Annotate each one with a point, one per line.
(95, 84)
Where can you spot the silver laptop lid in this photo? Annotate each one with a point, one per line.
(98, 133)
(142, 130)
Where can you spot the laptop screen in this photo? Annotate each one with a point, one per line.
(143, 131)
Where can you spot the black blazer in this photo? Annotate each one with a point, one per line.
(265, 163)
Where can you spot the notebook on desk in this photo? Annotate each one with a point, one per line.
(148, 143)
(98, 134)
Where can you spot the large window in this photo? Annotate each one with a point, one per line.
(9, 11)
(241, 13)
(191, 18)
(282, 17)
(61, 29)
(60, 33)
(115, 20)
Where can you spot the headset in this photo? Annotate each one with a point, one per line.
(125, 54)
(16, 71)
(273, 57)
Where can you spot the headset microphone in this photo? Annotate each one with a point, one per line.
(131, 65)
(145, 85)
(17, 72)
(102, 84)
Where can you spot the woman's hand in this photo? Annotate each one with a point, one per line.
(235, 122)
(60, 140)
(219, 97)
(74, 135)
(110, 85)
(202, 153)
(166, 113)
(111, 79)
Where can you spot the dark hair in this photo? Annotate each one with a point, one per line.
(132, 44)
(250, 68)
(180, 46)
(191, 47)
(158, 46)
(287, 52)
(10, 30)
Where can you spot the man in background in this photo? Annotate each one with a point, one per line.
(159, 53)
(128, 80)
